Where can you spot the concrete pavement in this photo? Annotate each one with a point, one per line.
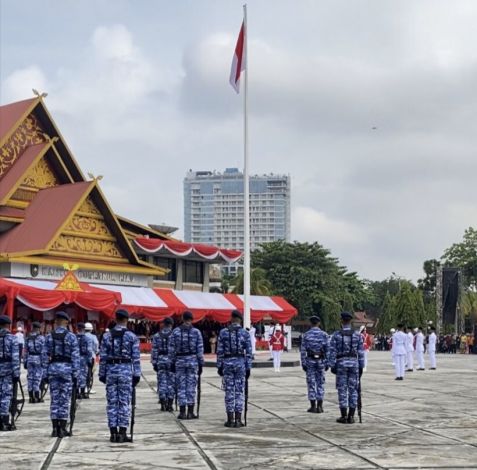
(428, 421)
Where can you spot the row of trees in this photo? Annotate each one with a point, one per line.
(310, 278)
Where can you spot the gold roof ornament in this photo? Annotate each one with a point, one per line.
(37, 93)
(69, 282)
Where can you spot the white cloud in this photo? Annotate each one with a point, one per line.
(18, 85)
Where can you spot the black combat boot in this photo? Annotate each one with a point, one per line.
(230, 423)
(170, 402)
(238, 420)
(55, 426)
(351, 415)
(312, 408)
(190, 412)
(114, 434)
(31, 397)
(344, 416)
(5, 423)
(84, 394)
(182, 412)
(163, 405)
(62, 431)
(38, 398)
(319, 406)
(123, 437)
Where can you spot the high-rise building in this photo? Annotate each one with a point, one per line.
(213, 208)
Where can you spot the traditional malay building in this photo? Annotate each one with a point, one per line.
(63, 246)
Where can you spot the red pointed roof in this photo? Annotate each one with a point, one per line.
(43, 218)
(11, 113)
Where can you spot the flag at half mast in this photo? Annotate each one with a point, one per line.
(238, 61)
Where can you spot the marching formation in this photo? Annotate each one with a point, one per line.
(404, 344)
(65, 363)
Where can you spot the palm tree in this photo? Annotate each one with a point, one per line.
(469, 305)
(259, 284)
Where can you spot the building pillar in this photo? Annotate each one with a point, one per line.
(179, 274)
(205, 276)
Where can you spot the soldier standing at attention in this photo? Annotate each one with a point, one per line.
(399, 350)
(234, 362)
(186, 353)
(314, 355)
(346, 360)
(9, 370)
(60, 361)
(32, 362)
(432, 348)
(162, 365)
(277, 344)
(420, 349)
(86, 350)
(120, 370)
(409, 349)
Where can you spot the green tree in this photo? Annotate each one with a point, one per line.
(428, 283)
(387, 320)
(463, 255)
(259, 284)
(469, 305)
(421, 316)
(405, 310)
(311, 279)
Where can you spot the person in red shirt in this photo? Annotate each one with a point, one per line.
(277, 344)
(367, 343)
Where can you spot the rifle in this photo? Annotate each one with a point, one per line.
(43, 388)
(16, 404)
(199, 389)
(246, 402)
(90, 377)
(73, 406)
(359, 400)
(133, 413)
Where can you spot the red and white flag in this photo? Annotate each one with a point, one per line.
(238, 62)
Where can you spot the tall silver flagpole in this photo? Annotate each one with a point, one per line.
(246, 189)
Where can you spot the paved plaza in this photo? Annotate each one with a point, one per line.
(428, 421)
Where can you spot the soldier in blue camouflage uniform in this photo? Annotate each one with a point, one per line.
(86, 350)
(60, 361)
(186, 353)
(161, 363)
(314, 357)
(234, 361)
(32, 362)
(346, 360)
(120, 370)
(9, 371)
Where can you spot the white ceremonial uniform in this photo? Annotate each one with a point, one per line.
(410, 351)
(399, 352)
(253, 339)
(420, 350)
(432, 350)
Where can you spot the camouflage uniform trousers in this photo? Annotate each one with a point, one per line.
(166, 386)
(118, 396)
(61, 387)
(83, 372)
(186, 379)
(234, 384)
(347, 378)
(34, 375)
(6, 394)
(315, 379)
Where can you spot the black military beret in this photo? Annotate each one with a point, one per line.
(5, 320)
(236, 314)
(187, 316)
(121, 314)
(36, 324)
(346, 316)
(62, 315)
(314, 319)
(80, 325)
(168, 321)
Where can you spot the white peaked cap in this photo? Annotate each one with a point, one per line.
(88, 326)
(392, 330)
(361, 328)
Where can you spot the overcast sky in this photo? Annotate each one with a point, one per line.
(140, 92)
